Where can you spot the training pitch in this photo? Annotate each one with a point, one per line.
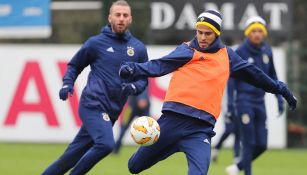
(30, 159)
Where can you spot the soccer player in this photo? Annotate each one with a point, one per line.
(231, 126)
(192, 104)
(137, 106)
(105, 93)
(249, 99)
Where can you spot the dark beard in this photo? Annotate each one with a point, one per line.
(119, 32)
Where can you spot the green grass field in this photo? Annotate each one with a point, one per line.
(31, 159)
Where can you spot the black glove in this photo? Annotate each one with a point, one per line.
(128, 89)
(288, 95)
(65, 90)
(126, 70)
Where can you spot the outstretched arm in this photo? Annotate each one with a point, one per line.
(253, 75)
(158, 67)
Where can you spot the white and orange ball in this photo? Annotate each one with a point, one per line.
(145, 131)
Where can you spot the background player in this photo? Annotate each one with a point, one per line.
(193, 99)
(105, 93)
(249, 99)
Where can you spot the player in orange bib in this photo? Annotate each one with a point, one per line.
(192, 104)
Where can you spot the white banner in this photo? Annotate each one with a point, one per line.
(31, 111)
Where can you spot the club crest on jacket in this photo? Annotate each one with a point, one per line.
(265, 58)
(105, 117)
(130, 51)
(245, 119)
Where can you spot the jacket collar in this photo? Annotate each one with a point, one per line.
(214, 47)
(108, 31)
(252, 48)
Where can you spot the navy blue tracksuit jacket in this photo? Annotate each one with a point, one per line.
(262, 57)
(105, 53)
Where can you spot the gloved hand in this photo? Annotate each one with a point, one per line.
(126, 70)
(280, 105)
(288, 95)
(65, 90)
(128, 89)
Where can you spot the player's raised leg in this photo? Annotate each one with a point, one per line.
(99, 127)
(145, 157)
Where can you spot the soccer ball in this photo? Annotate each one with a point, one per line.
(145, 131)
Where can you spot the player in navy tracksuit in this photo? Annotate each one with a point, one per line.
(192, 103)
(231, 126)
(249, 99)
(105, 93)
(137, 106)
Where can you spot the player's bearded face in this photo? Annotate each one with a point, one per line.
(120, 18)
(205, 36)
(256, 36)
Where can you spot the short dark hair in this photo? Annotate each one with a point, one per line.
(119, 2)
